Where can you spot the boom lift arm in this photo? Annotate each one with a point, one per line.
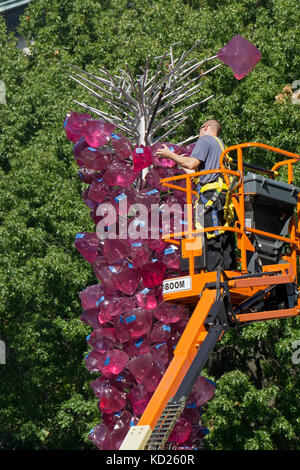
(222, 300)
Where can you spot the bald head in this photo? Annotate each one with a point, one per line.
(211, 127)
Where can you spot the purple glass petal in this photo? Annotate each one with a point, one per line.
(146, 371)
(152, 273)
(90, 317)
(96, 132)
(73, 125)
(142, 157)
(95, 159)
(87, 245)
(119, 174)
(111, 400)
(137, 347)
(101, 437)
(121, 145)
(181, 432)
(90, 295)
(202, 391)
(138, 322)
(98, 190)
(114, 362)
(139, 398)
(100, 341)
(146, 299)
(127, 280)
(169, 313)
(164, 162)
(241, 56)
(115, 250)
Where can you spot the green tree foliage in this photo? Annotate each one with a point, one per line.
(45, 399)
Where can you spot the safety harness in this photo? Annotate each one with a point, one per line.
(218, 186)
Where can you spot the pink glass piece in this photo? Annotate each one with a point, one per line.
(114, 420)
(155, 175)
(160, 333)
(87, 245)
(121, 329)
(73, 125)
(153, 178)
(114, 362)
(241, 56)
(127, 280)
(121, 145)
(93, 361)
(96, 218)
(180, 326)
(124, 381)
(121, 428)
(137, 347)
(87, 175)
(139, 254)
(110, 419)
(160, 353)
(95, 159)
(192, 413)
(104, 318)
(115, 305)
(88, 202)
(138, 322)
(171, 257)
(96, 132)
(169, 313)
(173, 199)
(98, 190)
(122, 199)
(78, 148)
(202, 391)
(119, 174)
(115, 251)
(90, 317)
(158, 245)
(142, 157)
(110, 399)
(90, 295)
(152, 273)
(101, 437)
(146, 371)
(107, 275)
(164, 162)
(101, 342)
(139, 366)
(181, 432)
(99, 263)
(139, 398)
(148, 196)
(146, 299)
(98, 384)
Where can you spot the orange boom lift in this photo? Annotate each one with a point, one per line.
(267, 225)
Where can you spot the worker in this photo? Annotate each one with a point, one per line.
(206, 156)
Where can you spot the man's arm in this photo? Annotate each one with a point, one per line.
(186, 162)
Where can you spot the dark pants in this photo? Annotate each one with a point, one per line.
(221, 248)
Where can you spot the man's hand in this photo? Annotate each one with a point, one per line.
(164, 152)
(186, 162)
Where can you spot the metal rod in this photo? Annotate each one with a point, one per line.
(194, 137)
(172, 129)
(99, 113)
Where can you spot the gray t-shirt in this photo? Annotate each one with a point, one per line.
(208, 150)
